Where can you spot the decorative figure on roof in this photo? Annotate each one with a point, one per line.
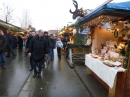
(77, 12)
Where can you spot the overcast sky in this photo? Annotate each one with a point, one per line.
(50, 14)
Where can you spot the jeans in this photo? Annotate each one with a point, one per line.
(3, 60)
(10, 49)
(37, 63)
(51, 53)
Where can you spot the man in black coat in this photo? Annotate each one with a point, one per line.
(20, 42)
(37, 50)
(27, 47)
(3, 44)
(10, 44)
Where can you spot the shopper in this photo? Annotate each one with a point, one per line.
(53, 42)
(37, 50)
(3, 44)
(59, 45)
(10, 41)
(65, 48)
(49, 45)
(27, 47)
(20, 42)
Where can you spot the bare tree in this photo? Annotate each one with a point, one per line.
(25, 21)
(7, 13)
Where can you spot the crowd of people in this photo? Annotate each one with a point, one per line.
(39, 46)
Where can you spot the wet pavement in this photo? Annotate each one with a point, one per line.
(57, 80)
(14, 76)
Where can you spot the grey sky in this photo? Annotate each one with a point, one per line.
(50, 14)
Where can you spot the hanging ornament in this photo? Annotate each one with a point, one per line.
(107, 26)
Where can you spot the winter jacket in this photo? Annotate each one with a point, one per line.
(53, 41)
(28, 41)
(20, 40)
(65, 40)
(59, 44)
(10, 39)
(38, 47)
(3, 43)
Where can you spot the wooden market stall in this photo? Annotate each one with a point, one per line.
(110, 46)
(7, 26)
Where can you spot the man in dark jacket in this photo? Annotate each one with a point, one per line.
(53, 41)
(48, 48)
(65, 41)
(37, 50)
(10, 44)
(3, 44)
(27, 47)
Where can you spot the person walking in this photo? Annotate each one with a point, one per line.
(65, 41)
(20, 43)
(53, 42)
(27, 47)
(3, 44)
(37, 50)
(59, 45)
(49, 45)
(10, 41)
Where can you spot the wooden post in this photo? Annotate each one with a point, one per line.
(89, 71)
(111, 92)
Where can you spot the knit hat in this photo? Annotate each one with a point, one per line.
(45, 32)
(58, 39)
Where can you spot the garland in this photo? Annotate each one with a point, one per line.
(78, 39)
(126, 59)
(10, 28)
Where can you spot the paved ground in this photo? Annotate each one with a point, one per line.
(13, 78)
(58, 80)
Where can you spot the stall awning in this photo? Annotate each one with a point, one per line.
(120, 10)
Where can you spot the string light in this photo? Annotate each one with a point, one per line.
(102, 19)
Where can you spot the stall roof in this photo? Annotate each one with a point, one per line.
(121, 9)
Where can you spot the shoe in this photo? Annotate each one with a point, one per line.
(39, 76)
(30, 69)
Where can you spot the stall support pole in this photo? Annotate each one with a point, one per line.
(70, 57)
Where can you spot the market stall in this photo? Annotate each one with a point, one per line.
(109, 60)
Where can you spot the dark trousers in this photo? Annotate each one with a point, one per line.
(3, 60)
(31, 64)
(37, 63)
(51, 53)
(10, 49)
(59, 52)
(20, 48)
